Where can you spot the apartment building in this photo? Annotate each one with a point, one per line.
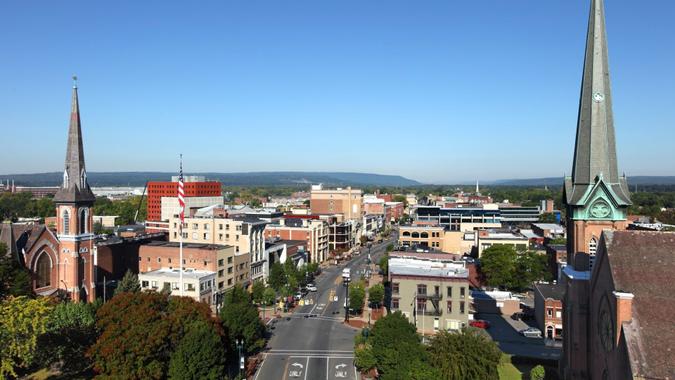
(487, 238)
(230, 268)
(433, 293)
(308, 228)
(463, 219)
(347, 202)
(195, 186)
(435, 238)
(548, 309)
(200, 285)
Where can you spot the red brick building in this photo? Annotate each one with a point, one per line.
(157, 190)
(548, 309)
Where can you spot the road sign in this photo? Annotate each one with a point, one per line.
(341, 371)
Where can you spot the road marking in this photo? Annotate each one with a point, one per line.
(261, 367)
(306, 367)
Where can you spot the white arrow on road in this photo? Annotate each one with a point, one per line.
(340, 366)
(297, 365)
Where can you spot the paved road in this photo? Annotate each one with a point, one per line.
(313, 343)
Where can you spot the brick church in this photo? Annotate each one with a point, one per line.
(619, 303)
(62, 261)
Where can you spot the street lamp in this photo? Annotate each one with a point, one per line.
(345, 281)
(240, 346)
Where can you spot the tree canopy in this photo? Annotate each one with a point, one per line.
(242, 321)
(466, 354)
(200, 354)
(376, 294)
(502, 266)
(15, 280)
(129, 283)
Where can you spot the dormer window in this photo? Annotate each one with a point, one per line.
(65, 178)
(83, 179)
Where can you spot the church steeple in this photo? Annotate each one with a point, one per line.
(595, 150)
(74, 187)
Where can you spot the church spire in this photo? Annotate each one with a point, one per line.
(75, 187)
(595, 149)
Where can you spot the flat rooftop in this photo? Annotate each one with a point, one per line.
(175, 273)
(417, 267)
(173, 244)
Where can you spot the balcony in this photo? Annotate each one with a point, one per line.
(429, 313)
(434, 296)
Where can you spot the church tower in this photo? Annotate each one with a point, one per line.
(596, 198)
(74, 227)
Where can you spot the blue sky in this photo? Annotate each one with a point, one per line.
(438, 91)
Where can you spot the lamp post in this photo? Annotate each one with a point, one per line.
(345, 281)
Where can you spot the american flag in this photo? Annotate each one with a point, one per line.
(181, 193)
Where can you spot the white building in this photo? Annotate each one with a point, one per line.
(198, 284)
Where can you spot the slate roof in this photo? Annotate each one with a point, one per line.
(643, 263)
(552, 291)
(75, 187)
(595, 147)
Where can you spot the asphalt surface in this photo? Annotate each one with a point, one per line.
(314, 343)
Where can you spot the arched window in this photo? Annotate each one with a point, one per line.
(416, 235)
(406, 233)
(592, 246)
(43, 270)
(66, 222)
(83, 220)
(424, 235)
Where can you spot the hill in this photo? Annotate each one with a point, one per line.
(228, 179)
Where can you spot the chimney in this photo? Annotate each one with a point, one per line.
(624, 310)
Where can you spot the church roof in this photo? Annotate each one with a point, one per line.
(595, 147)
(75, 187)
(643, 263)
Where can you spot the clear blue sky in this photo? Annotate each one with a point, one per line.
(438, 91)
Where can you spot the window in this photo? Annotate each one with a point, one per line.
(461, 307)
(220, 237)
(437, 290)
(144, 284)
(66, 222)
(189, 287)
(221, 262)
(394, 288)
(462, 292)
(83, 220)
(206, 236)
(558, 313)
(175, 234)
(592, 246)
(140, 258)
(229, 270)
(229, 260)
(221, 284)
(421, 289)
(206, 226)
(159, 259)
(449, 291)
(195, 226)
(220, 227)
(549, 312)
(153, 284)
(421, 305)
(174, 286)
(44, 270)
(449, 307)
(169, 260)
(229, 281)
(394, 303)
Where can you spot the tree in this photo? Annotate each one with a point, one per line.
(200, 354)
(15, 280)
(548, 217)
(376, 294)
(129, 283)
(139, 331)
(395, 346)
(22, 321)
(357, 295)
(466, 354)
(384, 264)
(498, 265)
(269, 295)
(241, 320)
(257, 291)
(390, 247)
(70, 331)
(313, 268)
(277, 277)
(363, 240)
(538, 373)
(530, 267)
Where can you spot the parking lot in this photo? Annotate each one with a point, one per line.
(505, 331)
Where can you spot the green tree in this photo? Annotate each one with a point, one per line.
(22, 321)
(384, 264)
(530, 267)
(363, 240)
(357, 295)
(241, 320)
(313, 268)
(498, 265)
(277, 278)
(257, 291)
(538, 373)
(129, 283)
(70, 331)
(376, 294)
(466, 354)
(200, 354)
(395, 346)
(15, 280)
(390, 247)
(269, 295)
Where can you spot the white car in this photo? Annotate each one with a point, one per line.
(311, 288)
(531, 332)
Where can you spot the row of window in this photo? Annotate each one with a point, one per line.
(421, 306)
(422, 290)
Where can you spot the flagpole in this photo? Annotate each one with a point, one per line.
(180, 249)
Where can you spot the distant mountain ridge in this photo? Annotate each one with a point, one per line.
(228, 179)
(558, 181)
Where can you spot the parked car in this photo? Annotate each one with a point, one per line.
(298, 296)
(311, 287)
(531, 332)
(479, 323)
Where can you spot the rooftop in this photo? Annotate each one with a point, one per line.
(175, 273)
(549, 226)
(553, 291)
(418, 267)
(171, 244)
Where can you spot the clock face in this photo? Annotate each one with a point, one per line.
(600, 209)
(598, 97)
(606, 327)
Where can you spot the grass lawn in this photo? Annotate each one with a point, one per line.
(507, 371)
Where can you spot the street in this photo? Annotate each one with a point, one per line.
(313, 343)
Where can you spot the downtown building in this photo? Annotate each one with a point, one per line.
(619, 296)
(307, 228)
